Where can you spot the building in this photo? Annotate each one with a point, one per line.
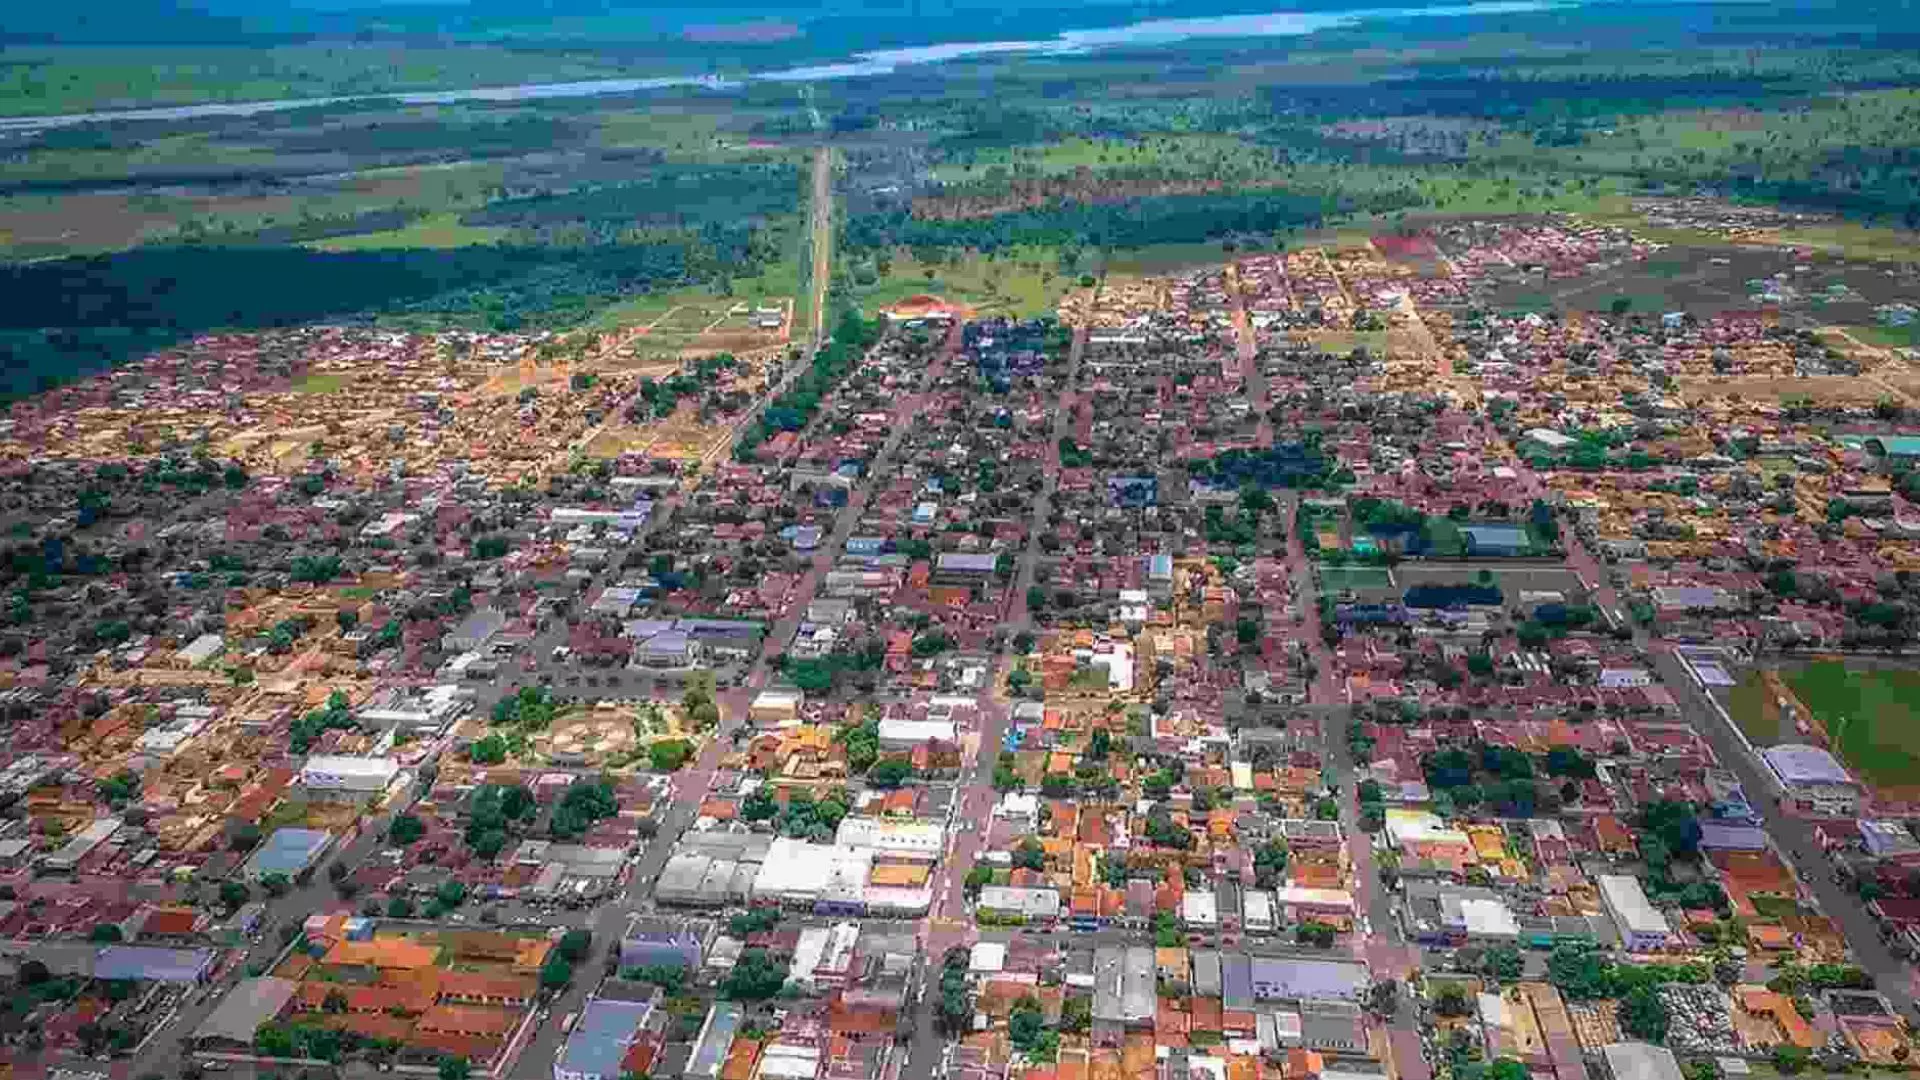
(917, 841)
(715, 1039)
(1315, 980)
(287, 852)
(776, 707)
(200, 651)
(1034, 905)
(416, 711)
(907, 734)
(1888, 840)
(335, 778)
(1258, 915)
(252, 1002)
(598, 1044)
(68, 857)
(1640, 1061)
(661, 943)
(1124, 994)
(1642, 927)
(474, 632)
(1812, 780)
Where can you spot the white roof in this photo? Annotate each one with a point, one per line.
(1630, 905)
(1640, 1061)
(338, 770)
(1487, 917)
(1289, 895)
(1418, 826)
(916, 731)
(988, 956)
(906, 837)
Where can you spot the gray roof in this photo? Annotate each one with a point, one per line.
(716, 1036)
(600, 1040)
(251, 1003)
(1308, 979)
(1727, 836)
(1640, 1061)
(964, 563)
(1797, 764)
(1236, 980)
(1206, 972)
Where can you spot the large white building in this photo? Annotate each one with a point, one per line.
(336, 778)
(1642, 927)
(917, 841)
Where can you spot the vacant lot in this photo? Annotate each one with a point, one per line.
(1871, 716)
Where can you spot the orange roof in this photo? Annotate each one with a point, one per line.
(741, 1058)
(471, 984)
(1205, 1015)
(382, 952)
(718, 809)
(468, 1020)
(171, 921)
(900, 874)
(371, 1025)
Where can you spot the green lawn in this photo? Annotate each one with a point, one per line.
(1335, 578)
(1747, 704)
(320, 383)
(1871, 715)
(436, 231)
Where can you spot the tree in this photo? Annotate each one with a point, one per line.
(454, 1068)
(1317, 934)
(574, 945)
(668, 755)
(399, 907)
(275, 883)
(756, 976)
(405, 829)
(490, 750)
(1451, 1000)
(234, 893)
(556, 973)
(1644, 1015)
(1790, 1060)
(890, 773)
(106, 933)
(1384, 998)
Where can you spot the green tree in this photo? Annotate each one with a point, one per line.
(405, 829)
(106, 932)
(455, 1068)
(668, 755)
(234, 893)
(890, 773)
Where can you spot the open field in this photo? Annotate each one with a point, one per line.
(1022, 282)
(1334, 579)
(436, 231)
(1513, 580)
(1871, 716)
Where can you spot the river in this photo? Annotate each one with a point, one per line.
(1154, 32)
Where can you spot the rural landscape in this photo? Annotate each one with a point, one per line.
(960, 541)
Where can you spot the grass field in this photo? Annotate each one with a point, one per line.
(1334, 578)
(1751, 708)
(435, 231)
(323, 382)
(1872, 717)
(1019, 283)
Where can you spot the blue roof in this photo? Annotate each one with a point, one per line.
(148, 964)
(600, 1039)
(288, 851)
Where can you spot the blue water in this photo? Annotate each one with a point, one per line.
(1154, 32)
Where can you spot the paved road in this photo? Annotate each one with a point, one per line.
(1893, 977)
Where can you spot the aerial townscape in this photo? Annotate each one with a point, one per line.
(672, 545)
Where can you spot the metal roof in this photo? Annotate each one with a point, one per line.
(251, 1003)
(600, 1040)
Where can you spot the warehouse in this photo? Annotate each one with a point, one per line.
(287, 852)
(916, 841)
(1035, 905)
